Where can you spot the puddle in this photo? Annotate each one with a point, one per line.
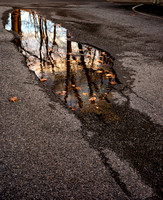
(80, 74)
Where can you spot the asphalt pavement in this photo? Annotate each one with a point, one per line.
(50, 152)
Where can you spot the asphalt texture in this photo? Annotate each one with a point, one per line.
(49, 152)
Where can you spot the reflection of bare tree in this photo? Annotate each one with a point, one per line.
(70, 76)
(46, 38)
(16, 24)
(87, 72)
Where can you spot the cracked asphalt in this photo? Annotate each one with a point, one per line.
(48, 152)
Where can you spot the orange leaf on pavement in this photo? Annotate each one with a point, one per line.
(13, 99)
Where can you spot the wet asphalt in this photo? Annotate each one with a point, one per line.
(49, 152)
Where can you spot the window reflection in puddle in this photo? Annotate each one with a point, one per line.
(80, 74)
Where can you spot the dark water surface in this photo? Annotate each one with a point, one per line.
(80, 74)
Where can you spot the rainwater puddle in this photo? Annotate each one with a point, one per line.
(80, 74)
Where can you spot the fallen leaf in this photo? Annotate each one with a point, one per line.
(43, 79)
(73, 108)
(113, 82)
(84, 93)
(50, 49)
(73, 85)
(92, 99)
(133, 15)
(110, 75)
(89, 56)
(13, 99)
(63, 92)
(58, 92)
(78, 88)
(100, 61)
(99, 71)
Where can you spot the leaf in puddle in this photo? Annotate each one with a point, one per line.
(43, 79)
(50, 49)
(113, 82)
(63, 92)
(13, 99)
(92, 99)
(100, 61)
(99, 71)
(58, 92)
(110, 75)
(78, 88)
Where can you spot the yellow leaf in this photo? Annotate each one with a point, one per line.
(13, 99)
(85, 93)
